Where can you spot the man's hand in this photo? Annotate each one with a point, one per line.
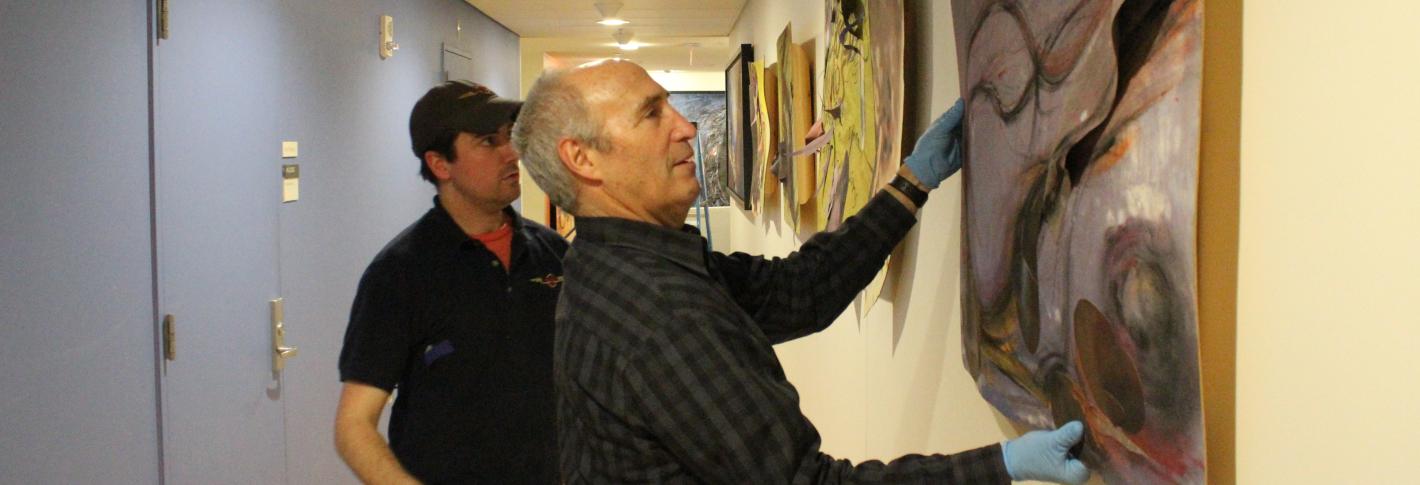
(938, 152)
(359, 442)
(1045, 456)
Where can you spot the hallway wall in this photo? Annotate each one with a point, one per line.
(78, 347)
(360, 182)
(1328, 390)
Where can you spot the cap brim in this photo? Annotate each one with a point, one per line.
(494, 114)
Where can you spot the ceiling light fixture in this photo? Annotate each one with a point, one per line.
(608, 10)
(623, 40)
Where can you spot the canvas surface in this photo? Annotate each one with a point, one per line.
(862, 105)
(1079, 217)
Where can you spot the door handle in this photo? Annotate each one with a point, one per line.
(279, 350)
(287, 352)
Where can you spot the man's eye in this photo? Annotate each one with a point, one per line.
(654, 113)
(487, 141)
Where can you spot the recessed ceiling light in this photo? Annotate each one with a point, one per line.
(608, 9)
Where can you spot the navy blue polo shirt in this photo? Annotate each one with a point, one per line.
(468, 344)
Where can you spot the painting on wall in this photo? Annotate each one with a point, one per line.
(765, 126)
(862, 105)
(706, 109)
(1079, 224)
(739, 156)
(796, 173)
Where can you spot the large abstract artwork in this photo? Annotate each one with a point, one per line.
(862, 105)
(706, 109)
(1078, 254)
(795, 115)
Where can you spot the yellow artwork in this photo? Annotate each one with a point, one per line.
(764, 119)
(862, 111)
(795, 116)
(861, 105)
(849, 161)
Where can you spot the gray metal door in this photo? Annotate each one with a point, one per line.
(77, 393)
(218, 186)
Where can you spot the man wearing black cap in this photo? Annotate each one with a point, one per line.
(457, 313)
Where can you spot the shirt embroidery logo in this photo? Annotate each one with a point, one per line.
(550, 281)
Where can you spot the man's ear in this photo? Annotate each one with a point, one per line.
(438, 165)
(579, 159)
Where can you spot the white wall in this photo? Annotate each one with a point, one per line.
(690, 80)
(891, 383)
(1329, 258)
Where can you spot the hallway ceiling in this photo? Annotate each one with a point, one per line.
(567, 30)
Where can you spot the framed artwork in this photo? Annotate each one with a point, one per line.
(1079, 218)
(739, 156)
(706, 109)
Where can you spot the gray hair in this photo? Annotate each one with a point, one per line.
(554, 110)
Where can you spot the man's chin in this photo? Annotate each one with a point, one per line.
(511, 196)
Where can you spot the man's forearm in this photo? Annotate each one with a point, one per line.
(368, 455)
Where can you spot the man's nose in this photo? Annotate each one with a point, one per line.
(507, 153)
(685, 130)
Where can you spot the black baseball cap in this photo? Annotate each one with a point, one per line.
(458, 106)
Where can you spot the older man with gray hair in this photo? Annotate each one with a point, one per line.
(663, 359)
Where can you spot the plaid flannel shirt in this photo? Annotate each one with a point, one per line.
(664, 365)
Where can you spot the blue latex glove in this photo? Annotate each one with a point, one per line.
(1045, 456)
(938, 152)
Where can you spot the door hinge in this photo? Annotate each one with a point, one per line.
(162, 19)
(169, 338)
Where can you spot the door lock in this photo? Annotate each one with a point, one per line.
(279, 350)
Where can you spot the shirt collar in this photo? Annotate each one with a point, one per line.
(682, 246)
(455, 235)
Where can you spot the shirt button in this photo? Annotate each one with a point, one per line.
(510, 289)
(495, 264)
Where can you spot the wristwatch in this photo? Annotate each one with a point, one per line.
(910, 190)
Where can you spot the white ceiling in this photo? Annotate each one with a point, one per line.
(566, 30)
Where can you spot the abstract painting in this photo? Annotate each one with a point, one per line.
(862, 105)
(1079, 223)
(739, 156)
(795, 115)
(764, 124)
(706, 109)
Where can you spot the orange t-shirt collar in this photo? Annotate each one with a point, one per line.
(499, 241)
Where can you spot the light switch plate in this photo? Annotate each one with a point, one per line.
(290, 183)
(288, 149)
